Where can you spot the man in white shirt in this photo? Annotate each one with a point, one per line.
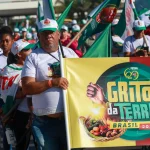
(41, 79)
(135, 45)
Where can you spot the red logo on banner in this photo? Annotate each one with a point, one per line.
(144, 126)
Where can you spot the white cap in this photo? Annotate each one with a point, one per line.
(83, 21)
(115, 22)
(16, 30)
(29, 36)
(33, 29)
(74, 22)
(139, 25)
(24, 29)
(75, 28)
(64, 27)
(145, 16)
(21, 45)
(47, 25)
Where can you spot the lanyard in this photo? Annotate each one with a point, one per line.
(54, 57)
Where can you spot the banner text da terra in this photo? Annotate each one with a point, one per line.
(130, 100)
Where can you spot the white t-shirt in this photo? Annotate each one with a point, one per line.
(3, 61)
(10, 85)
(1, 51)
(38, 65)
(131, 44)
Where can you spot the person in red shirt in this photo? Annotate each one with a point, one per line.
(16, 34)
(64, 35)
(65, 38)
(74, 45)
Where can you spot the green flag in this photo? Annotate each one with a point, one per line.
(61, 19)
(101, 17)
(102, 46)
(48, 9)
(40, 14)
(141, 4)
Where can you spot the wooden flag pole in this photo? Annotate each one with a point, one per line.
(80, 32)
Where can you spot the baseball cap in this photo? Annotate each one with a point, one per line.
(83, 21)
(29, 36)
(74, 22)
(16, 30)
(115, 22)
(139, 25)
(33, 29)
(145, 16)
(21, 45)
(24, 29)
(47, 25)
(64, 27)
(75, 28)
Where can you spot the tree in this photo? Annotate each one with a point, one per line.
(80, 7)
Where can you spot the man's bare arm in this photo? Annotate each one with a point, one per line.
(31, 87)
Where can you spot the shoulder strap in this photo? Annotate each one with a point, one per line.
(53, 57)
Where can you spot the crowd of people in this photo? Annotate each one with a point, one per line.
(31, 82)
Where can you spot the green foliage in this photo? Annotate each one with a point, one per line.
(81, 6)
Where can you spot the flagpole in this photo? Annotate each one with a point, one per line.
(134, 9)
(61, 48)
(65, 105)
(80, 32)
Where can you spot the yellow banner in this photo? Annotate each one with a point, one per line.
(102, 105)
